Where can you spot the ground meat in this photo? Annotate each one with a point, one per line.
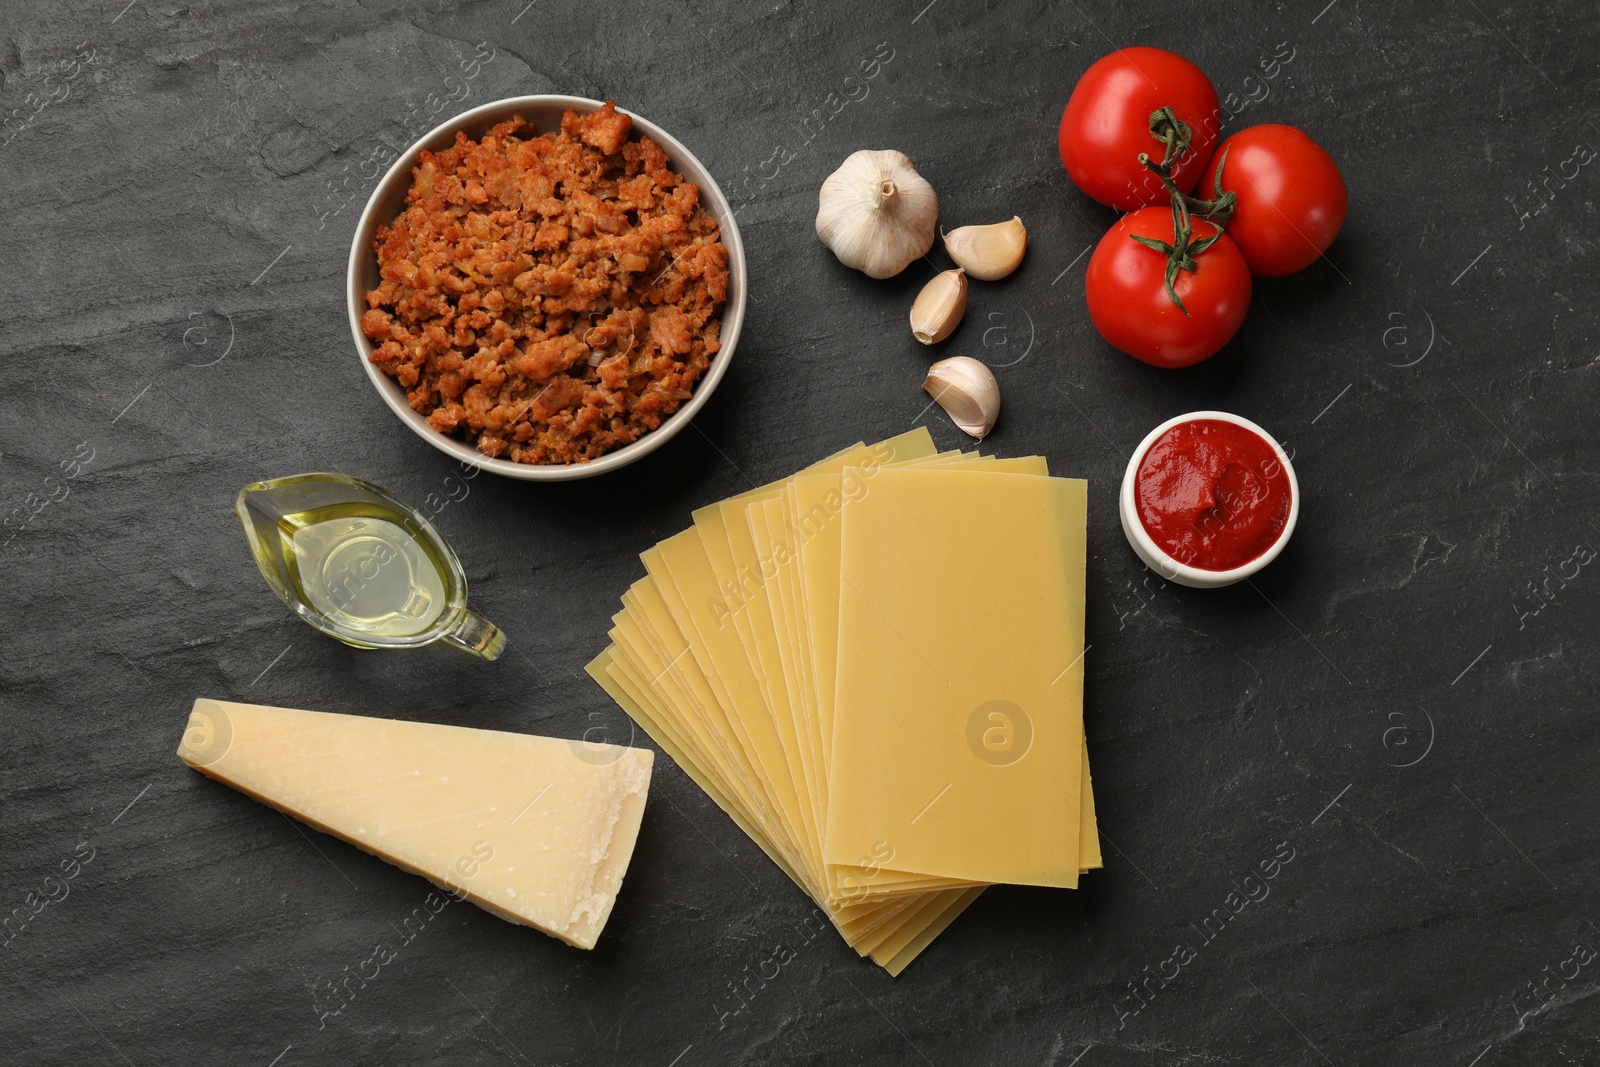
(552, 297)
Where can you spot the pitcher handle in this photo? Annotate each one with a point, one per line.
(476, 636)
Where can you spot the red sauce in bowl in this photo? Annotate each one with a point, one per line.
(1212, 495)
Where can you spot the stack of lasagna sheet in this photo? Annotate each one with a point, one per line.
(875, 668)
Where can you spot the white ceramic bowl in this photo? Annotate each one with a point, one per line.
(545, 113)
(1154, 556)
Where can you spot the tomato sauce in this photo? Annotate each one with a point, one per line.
(1212, 494)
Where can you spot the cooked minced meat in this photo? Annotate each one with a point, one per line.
(550, 297)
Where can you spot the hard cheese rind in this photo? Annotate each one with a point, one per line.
(537, 830)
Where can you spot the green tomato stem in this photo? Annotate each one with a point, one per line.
(1174, 135)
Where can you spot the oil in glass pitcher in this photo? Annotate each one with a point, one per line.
(361, 565)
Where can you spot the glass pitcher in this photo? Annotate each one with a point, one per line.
(361, 565)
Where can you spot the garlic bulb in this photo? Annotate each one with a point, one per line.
(877, 213)
(988, 253)
(967, 391)
(939, 307)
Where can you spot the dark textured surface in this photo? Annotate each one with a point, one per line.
(1383, 701)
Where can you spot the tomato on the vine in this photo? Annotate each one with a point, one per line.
(1291, 202)
(1128, 299)
(1106, 125)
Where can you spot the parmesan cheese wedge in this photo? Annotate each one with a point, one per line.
(536, 830)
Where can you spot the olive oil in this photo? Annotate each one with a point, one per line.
(361, 565)
(363, 572)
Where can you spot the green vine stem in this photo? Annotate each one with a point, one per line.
(1174, 134)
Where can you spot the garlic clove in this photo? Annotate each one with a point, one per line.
(988, 253)
(876, 213)
(939, 307)
(967, 391)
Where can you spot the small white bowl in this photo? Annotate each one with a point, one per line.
(1154, 556)
(544, 112)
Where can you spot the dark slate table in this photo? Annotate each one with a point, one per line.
(1403, 704)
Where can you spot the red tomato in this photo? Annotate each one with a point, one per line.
(1128, 301)
(1107, 124)
(1291, 197)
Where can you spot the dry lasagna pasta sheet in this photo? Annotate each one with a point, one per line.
(874, 667)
